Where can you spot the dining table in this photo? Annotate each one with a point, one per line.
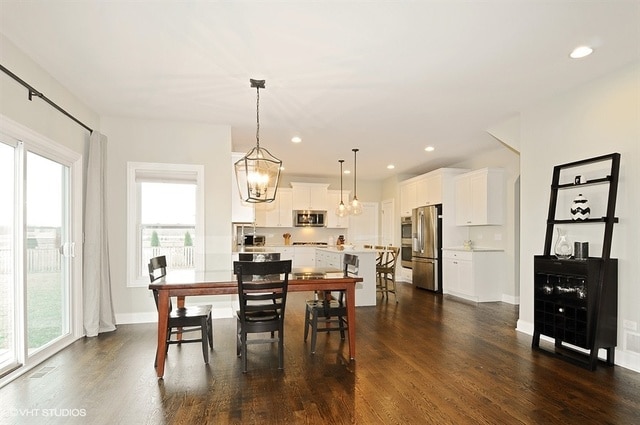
(182, 284)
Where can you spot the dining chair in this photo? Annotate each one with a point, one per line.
(262, 304)
(328, 313)
(195, 318)
(386, 272)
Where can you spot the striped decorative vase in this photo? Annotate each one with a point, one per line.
(580, 209)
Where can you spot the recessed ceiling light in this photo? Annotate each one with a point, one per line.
(347, 171)
(429, 149)
(296, 139)
(390, 167)
(580, 52)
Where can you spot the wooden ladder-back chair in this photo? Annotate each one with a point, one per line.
(262, 292)
(386, 272)
(327, 313)
(183, 320)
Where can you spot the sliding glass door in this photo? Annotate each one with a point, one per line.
(39, 189)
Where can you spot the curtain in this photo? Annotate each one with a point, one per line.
(98, 306)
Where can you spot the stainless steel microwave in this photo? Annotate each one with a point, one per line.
(308, 218)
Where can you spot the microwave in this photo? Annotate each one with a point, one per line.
(309, 218)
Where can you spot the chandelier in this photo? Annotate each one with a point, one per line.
(258, 172)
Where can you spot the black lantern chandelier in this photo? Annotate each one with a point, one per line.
(258, 172)
(341, 210)
(355, 207)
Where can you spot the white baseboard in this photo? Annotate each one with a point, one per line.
(510, 299)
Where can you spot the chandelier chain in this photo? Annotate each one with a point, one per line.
(258, 117)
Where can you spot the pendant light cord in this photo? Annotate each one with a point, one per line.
(355, 173)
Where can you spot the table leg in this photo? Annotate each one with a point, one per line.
(351, 320)
(180, 305)
(163, 322)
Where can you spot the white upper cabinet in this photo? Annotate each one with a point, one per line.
(479, 197)
(422, 190)
(277, 213)
(429, 189)
(241, 212)
(333, 199)
(407, 197)
(310, 196)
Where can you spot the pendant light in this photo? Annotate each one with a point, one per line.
(258, 172)
(355, 208)
(342, 210)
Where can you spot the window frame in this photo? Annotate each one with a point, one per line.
(165, 173)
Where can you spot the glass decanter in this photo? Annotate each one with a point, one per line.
(563, 248)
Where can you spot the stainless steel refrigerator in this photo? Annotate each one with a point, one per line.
(426, 249)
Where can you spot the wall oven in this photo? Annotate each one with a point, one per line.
(405, 242)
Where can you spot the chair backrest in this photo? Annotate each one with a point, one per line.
(262, 296)
(157, 268)
(391, 257)
(351, 265)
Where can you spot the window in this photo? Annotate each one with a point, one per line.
(165, 217)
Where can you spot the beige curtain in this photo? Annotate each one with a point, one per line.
(98, 307)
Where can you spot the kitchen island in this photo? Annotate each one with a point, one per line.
(329, 257)
(366, 290)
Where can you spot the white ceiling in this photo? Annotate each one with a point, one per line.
(388, 77)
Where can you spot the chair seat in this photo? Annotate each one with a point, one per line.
(260, 316)
(191, 311)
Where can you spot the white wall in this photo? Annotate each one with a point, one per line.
(165, 142)
(594, 119)
(37, 114)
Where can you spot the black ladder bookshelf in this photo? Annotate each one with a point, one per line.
(575, 300)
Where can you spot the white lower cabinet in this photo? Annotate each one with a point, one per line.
(473, 275)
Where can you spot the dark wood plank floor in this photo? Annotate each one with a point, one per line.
(428, 359)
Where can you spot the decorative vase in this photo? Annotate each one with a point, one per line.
(580, 209)
(562, 248)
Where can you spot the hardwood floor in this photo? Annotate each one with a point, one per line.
(428, 359)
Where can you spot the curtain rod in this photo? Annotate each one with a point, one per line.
(34, 92)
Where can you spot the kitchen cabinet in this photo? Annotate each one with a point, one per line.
(473, 275)
(310, 196)
(333, 198)
(365, 290)
(241, 212)
(408, 192)
(479, 197)
(277, 213)
(429, 189)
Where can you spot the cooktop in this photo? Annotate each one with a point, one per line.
(310, 243)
